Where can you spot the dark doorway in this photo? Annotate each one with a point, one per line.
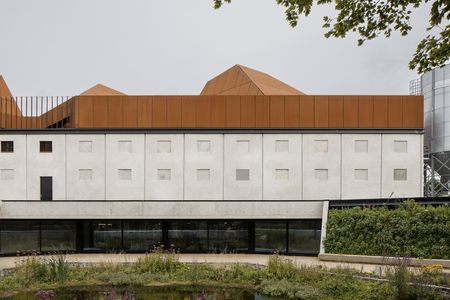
(46, 188)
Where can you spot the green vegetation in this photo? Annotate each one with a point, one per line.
(411, 230)
(280, 278)
(369, 19)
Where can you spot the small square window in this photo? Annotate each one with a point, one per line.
(361, 146)
(125, 146)
(7, 174)
(203, 174)
(164, 174)
(45, 146)
(400, 174)
(321, 146)
(242, 174)
(282, 174)
(401, 146)
(203, 146)
(243, 146)
(85, 174)
(361, 174)
(281, 146)
(7, 147)
(164, 146)
(321, 174)
(85, 146)
(125, 174)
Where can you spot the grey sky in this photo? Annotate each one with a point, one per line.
(62, 47)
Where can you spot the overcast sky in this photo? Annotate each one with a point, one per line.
(141, 47)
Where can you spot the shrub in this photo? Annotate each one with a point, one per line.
(58, 267)
(281, 268)
(158, 263)
(30, 269)
(410, 230)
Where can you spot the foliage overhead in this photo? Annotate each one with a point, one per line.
(372, 18)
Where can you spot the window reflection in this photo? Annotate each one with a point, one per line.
(188, 236)
(270, 236)
(141, 235)
(58, 235)
(19, 236)
(107, 235)
(228, 236)
(304, 236)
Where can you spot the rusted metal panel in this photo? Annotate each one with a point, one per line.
(410, 110)
(395, 112)
(276, 111)
(159, 112)
(420, 113)
(292, 111)
(101, 112)
(365, 111)
(233, 114)
(85, 105)
(380, 112)
(336, 111)
(218, 110)
(174, 111)
(248, 111)
(144, 111)
(130, 112)
(350, 111)
(188, 112)
(262, 110)
(115, 110)
(321, 111)
(203, 112)
(307, 111)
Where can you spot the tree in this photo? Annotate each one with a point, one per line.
(372, 18)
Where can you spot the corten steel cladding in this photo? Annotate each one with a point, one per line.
(222, 112)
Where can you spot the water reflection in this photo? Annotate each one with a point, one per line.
(143, 293)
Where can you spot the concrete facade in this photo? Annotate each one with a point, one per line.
(138, 166)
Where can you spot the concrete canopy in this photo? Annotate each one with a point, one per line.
(241, 80)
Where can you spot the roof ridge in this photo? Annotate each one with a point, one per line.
(242, 68)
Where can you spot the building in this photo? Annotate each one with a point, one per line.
(435, 87)
(243, 167)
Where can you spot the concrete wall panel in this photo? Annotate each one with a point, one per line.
(124, 152)
(282, 154)
(86, 152)
(14, 189)
(243, 152)
(411, 160)
(161, 158)
(46, 164)
(204, 155)
(321, 166)
(357, 158)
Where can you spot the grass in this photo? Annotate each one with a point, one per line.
(281, 277)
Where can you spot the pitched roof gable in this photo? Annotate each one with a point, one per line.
(241, 80)
(101, 90)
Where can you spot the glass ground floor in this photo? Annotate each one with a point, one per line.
(185, 236)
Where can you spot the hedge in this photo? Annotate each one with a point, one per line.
(411, 230)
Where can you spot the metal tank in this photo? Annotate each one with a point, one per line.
(435, 87)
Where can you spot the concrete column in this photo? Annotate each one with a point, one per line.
(323, 235)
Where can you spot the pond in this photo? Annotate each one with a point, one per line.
(144, 293)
